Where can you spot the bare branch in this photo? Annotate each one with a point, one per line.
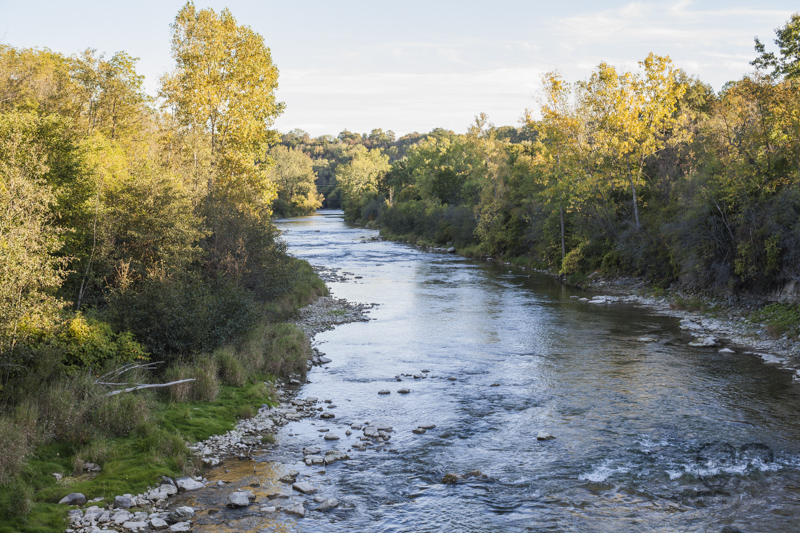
(150, 386)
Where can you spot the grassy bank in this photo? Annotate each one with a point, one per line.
(139, 436)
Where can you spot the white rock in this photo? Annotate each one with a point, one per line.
(726, 350)
(120, 517)
(134, 526)
(305, 488)
(704, 342)
(180, 526)
(187, 483)
(238, 499)
(158, 523)
(543, 435)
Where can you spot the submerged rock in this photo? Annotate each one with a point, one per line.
(328, 504)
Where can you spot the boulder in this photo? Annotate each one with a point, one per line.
(135, 526)
(328, 504)
(180, 526)
(238, 499)
(123, 502)
(158, 524)
(73, 498)
(404, 391)
(187, 483)
(331, 436)
(181, 514)
(304, 487)
(543, 435)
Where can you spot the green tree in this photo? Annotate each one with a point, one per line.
(294, 175)
(360, 178)
(30, 270)
(788, 41)
(224, 83)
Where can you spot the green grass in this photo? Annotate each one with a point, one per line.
(779, 319)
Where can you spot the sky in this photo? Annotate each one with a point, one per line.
(417, 65)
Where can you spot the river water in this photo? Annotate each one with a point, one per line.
(649, 436)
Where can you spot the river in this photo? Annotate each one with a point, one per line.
(653, 436)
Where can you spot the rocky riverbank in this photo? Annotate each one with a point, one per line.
(728, 327)
(155, 509)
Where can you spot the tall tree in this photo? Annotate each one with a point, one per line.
(224, 83)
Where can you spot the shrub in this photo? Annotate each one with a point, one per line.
(231, 371)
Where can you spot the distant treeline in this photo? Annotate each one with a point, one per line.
(649, 173)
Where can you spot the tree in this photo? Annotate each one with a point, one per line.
(29, 269)
(294, 175)
(224, 83)
(360, 178)
(788, 41)
(633, 116)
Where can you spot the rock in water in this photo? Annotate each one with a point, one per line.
(328, 504)
(239, 499)
(543, 435)
(187, 483)
(704, 342)
(305, 488)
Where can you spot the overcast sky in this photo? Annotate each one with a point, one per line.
(416, 65)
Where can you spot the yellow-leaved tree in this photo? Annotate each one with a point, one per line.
(224, 85)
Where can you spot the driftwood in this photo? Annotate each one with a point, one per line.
(131, 366)
(148, 386)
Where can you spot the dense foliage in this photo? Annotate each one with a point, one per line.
(134, 232)
(647, 172)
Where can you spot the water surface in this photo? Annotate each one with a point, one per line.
(649, 436)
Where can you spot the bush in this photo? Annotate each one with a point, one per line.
(231, 371)
(180, 316)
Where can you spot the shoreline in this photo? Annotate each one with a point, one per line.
(248, 438)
